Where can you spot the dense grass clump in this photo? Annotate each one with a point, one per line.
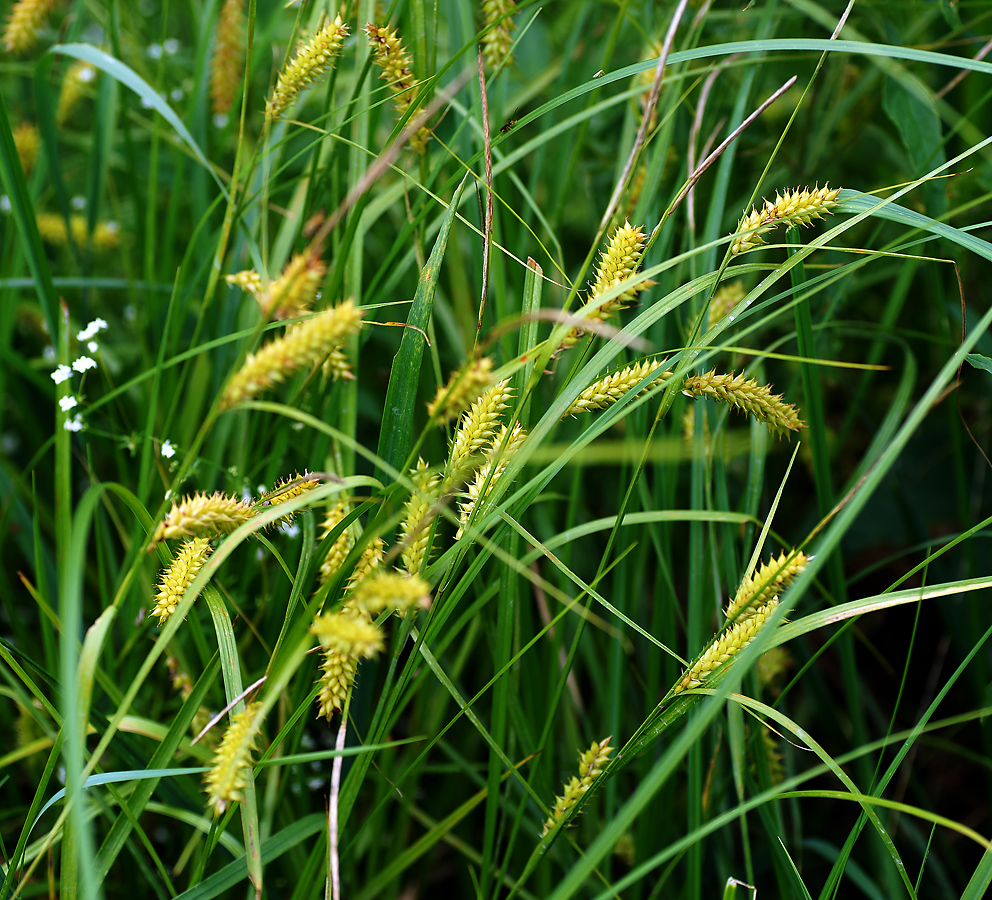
(492, 450)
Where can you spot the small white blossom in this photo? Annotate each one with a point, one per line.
(171, 46)
(220, 120)
(155, 51)
(177, 95)
(87, 74)
(92, 346)
(92, 330)
(168, 450)
(67, 403)
(5, 204)
(84, 363)
(73, 424)
(61, 373)
(78, 202)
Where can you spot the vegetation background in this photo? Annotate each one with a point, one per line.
(844, 752)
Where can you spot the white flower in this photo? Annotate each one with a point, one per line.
(92, 346)
(78, 202)
(67, 403)
(155, 51)
(73, 424)
(61, 373)
(220, 120)
(171, 46)
(87, 74)
(92, 330)
(5, 204)
(168, 451)
(84, 363)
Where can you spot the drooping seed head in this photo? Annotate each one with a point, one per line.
(229, 773)
(179, 575)
(228, 61)
(203, 514)
(591, 764)
(397, 71)
(498, 40)
(348, 632)
(503, 446)
(24, 24)
(612, 388)
(293, 293)
(418, 513)
(746, 394)
(394, 591)
(767, 582)
(312, 61)
(464, 387)
(795, 207)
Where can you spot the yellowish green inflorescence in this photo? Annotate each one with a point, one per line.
(418, 514)
(397, 71)
(24, 24)
(179, 575)
(230, 771)
(746, 394)
(477, 428)
(795, 207)
(591, 764)
(612, 388)
(227, 62)
(767, 582)
(203, 514)
(498, 40)
(464, 387)
(504, 444)
(312, 60)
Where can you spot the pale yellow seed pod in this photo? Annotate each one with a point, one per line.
(591, 764)
(230, 771)
(767, 582)
(607, 391)
(464, 387)
(179, 575)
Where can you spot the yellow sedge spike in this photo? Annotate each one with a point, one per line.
(418, 514)
(464, 387)
(230, 771)
(397, 71)
(477, 427)
(77, 77)
(724, 300)
(203, 514)
(349, 633)
(228, 62)
(24, 24)
(497, 41)
(368, 562)
(795, 207)
(746, 394)
(313, 59)
(342, 545)
(497, 456)
(293, 293)
(612, 388)
(337, 676)
(302, 347)
(591, 765)
(287, 489)
(248, 280)
(27, 141)
(767, 582)
(179, 575)
(393, 591)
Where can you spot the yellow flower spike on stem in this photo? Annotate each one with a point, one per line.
(476, 428)
(591, 764)
(229, 772)
(369, 561)
(796, 207)
(203, 514)
(248, 280)
(313, 59)
(397, 71)
(179, 575)
(337, 676)
(289, 488)
(303, 346)
(767, 582)
(724, 300)
(464, 387)
(727, 645)
(24, 24)
(342, 545)
(227, 63)
(348, 632)
(337, 366)
(746, 394)
(77, 76)
(393, 591)
(294, 291)
(27, 141)
(612, 388)
(418, 513)
(497, 41)
(490, 471)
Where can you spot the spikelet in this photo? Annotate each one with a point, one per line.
(179, 575)
(767, 582)
(230, 771)
(418, 513)
(337, 675)
(313, 59)
(393, 591)
(464, 387)
(477, 427)
(612, 388)
(617, 263)
(52, 229)
(288, 489)
(496, 458)
(796, 207)
(26, 19)
(497, 41)
(368, 562)
(227, 63)
(203, 514)
(303, 346)
(77, 76)
(349, 633)
(342, 545)
(731, 642)
(248, 280)
(294, 291)
(590, 766)
(27, 141)
(724, 300)
(397, 71)
(337, 366)
(747, 395)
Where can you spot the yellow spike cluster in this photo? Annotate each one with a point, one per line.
(397, 71)
(612, 388)
(78, 75)
(464, 387)
(591, 764)
(349, 632)
(498, 40)
(396, 592)
(795, 207)
(418, 514)
(767, 582)
(285, 490)
(27, 141)
(343, 543)
(302, 347)
(724, 300)
(747, 395)
(24, 24)
(248, 280)
(368, 563)
(230, 771)
(477, 427)
(295, 290)
(313, 59)
(179, 575)
(203, 514)
(618, 262)
(497, 455)
(52, 228)
(227, 63)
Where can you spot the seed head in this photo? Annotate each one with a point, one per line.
(27, 141)
(767, 582)
(612, 388)
(419, 512)
(342, 545)
(77, 76)
(230, 771)
(313, 59)
(393, 591)
(203, 514)
(288, 489)
(724, 300)
(747, 395)
(464, 387)
(796, 207)
(497, 455)
(337, 676)
(497, 41)
(294, 291)
(179, 575)
(348, 632)
(227, 64)
(397, 71)
(26, 19)
(477, 427)
(591, 764)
